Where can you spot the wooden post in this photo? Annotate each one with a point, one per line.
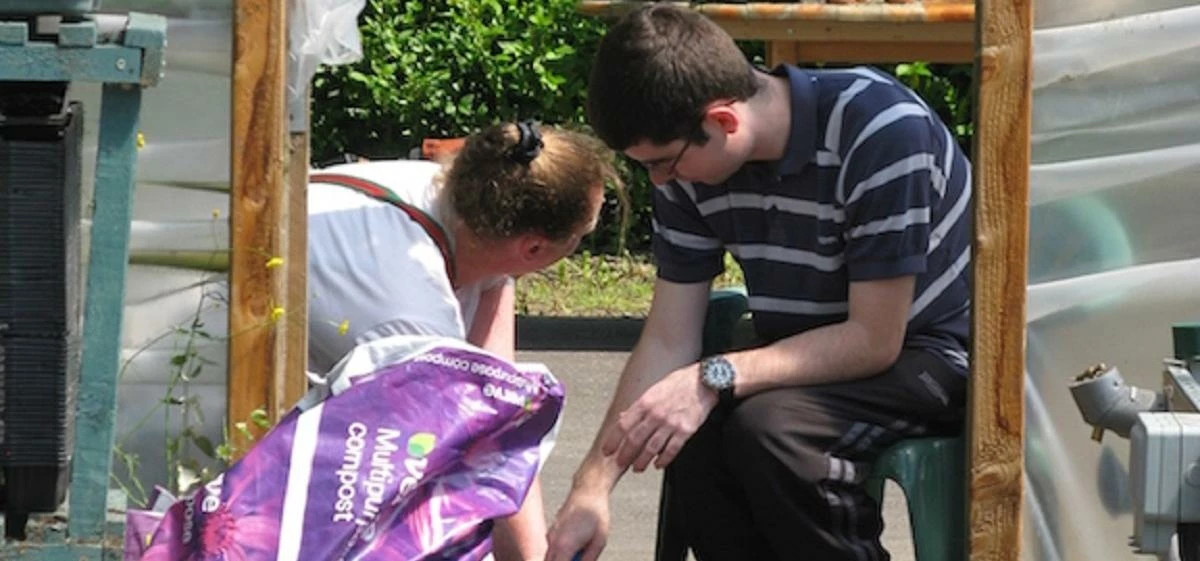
(996, 407)
(259, 217)
(295, 384)
(96, 413)
(781, 52)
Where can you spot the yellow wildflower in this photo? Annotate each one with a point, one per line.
(344, 327)
(276, 313)
(141, 140)
(274, 262)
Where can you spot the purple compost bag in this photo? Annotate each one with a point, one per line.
(410, 460)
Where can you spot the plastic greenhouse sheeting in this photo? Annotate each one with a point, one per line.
(1114, 247)
(181, 205)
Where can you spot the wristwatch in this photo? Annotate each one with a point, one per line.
(718, 375)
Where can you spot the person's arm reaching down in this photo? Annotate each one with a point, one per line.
(522, 536)
(670, 338)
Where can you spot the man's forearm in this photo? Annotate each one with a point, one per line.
(840, 352)
(651, 360)
(866, 344)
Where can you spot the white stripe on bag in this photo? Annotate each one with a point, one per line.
(295, 498)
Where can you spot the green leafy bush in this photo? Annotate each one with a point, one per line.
(444, 68)
(948, 88)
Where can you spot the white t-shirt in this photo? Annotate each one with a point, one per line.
(371, 265)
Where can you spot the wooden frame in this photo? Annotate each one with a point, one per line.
(933, 31)
(267, 323)
(997, 397)
(265, 222)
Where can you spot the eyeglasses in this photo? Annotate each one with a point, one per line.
(686, 144)
(668, 166)
(670, 170)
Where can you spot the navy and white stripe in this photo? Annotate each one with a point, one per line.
(872, 186)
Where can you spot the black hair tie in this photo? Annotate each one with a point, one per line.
(529, 144)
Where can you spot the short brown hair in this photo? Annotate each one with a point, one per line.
(499, 196)
(657, 69)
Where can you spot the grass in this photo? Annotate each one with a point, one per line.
(586, 285)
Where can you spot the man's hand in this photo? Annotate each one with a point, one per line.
(659, 423)
(581, 526)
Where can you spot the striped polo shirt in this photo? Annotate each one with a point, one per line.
(872, 185)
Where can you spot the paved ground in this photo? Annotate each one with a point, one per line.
(587, 355)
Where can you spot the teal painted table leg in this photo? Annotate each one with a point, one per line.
(97, 403)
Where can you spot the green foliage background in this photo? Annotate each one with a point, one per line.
(444, 68)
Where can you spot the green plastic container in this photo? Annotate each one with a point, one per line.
(48, 7)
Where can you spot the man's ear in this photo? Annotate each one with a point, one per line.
(725, 117)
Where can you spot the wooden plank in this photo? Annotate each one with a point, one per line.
(110, 551)
(258, 213)
(780, 52)
(294, 384)
(863, 31)
(928, 11)
(922, 22)
(912, 12)
(48, 540)
(868, 52)
(96, 404)
(45, 62)
(940, 31)
(1001, 164)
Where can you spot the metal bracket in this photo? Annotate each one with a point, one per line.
(1180, 388)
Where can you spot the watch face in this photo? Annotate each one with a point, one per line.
(718, 373)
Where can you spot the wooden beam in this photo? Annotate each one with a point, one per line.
(932, 21)
(869, 52)
(258, 214)
(780, 52)
(1001, 165)
(295, 384)
(882, 32)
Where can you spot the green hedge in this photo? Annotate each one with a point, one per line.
(444, 68)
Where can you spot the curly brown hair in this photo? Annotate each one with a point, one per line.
(499, 196)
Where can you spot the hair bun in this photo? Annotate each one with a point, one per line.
(529, 143)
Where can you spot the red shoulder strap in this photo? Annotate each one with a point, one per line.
(378, 192)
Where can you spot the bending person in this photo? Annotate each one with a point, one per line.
(422, 248)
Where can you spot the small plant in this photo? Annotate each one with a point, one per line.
(180, 409)
(191, 458)
(182, 414)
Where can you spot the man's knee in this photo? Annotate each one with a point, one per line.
(772, 423)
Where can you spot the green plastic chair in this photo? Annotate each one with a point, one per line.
(931, 473)
(929, 470)
(725, 307)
